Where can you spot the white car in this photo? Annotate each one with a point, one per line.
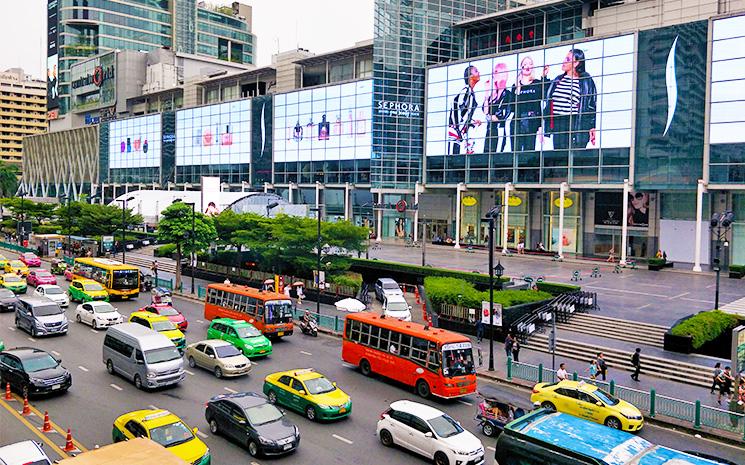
(23, 453)
(429, 432)
(396, 306)
(53, 293)
(98, 314)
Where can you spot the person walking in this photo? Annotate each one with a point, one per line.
(715, 376)
(561, 373)
(636, 363)
(593, 369)
(602, 366)
(479, 330)
(516, 350)
(725, 384)
(508, 341)
(154, 270)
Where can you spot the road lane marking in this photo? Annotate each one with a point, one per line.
(232, 391)
(202, 435)
(644, 306)
(11, 328)
(336, 436)
(94, 331)
(491, 448)
(464, 402)
(82, 368)
(697, 300)
(31, 339)
(56, 353)
(189, 372)
(28, 425)
(153, 407)
(57, 429)
(305, 353)
(255, 463)
(200, 321)
(625, 291)
(116, 387)
(679, 295)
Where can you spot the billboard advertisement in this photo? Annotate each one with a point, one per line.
(214, 134)
(52, 55)
(135, 142)
(573, 96)
(728, 81)
(324, 123)
(261, 150)
(609, 209)
(93, 84)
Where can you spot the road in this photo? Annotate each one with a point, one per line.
(97, 398)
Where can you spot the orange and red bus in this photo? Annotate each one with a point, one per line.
(269, 312)
(434, 361)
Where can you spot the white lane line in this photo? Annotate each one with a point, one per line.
(189, 372)
(710, 286)
(625, 291)
(82, 368)
(200, 321)
(31, 339)
(342, 439)
(56, 353)
(697, 300)
(202, 435)
(94, 331)
(232, 391)
(679, 295)
(305, 353)
(464, 402)
(255, 463)
(116, 387)
(491, 448)
(153, 407)
(11, 328)
(347, 365)
(644, 306)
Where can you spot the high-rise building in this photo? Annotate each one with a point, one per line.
(79, 29)
(22, 112)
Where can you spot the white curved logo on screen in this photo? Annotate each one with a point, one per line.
(263, 128)
(672, 85)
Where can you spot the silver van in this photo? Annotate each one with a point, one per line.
(40, 316)
(146, 357)
(396, 306)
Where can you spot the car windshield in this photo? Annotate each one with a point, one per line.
(47, 310)
(397, 307)
(104, 308)
(6, 293)
(605, 397)
(167, 311)
(392, 285)
(17, 264)
(163, 326)
(319, 385)
(43, 362)
(278, 311)
(227, 351)
(165, 354)
(44, 275)
(244, 332)
(53, 291)
(171, 435)
(263, 414)
(29, 255)
(126, 279)
(12, 279)
(457, 359)
(444, 426)
(92, 287)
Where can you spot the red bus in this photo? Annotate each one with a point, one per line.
(269, 312)
(435, 361)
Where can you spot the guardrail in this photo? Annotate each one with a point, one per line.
(649, 402)
(16, 247)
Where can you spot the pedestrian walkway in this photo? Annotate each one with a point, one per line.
(736, 308)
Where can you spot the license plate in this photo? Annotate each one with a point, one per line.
(287, 446)
(463, 390)
(262, 351)
(281, 333)
(343, 410)
(56, 386)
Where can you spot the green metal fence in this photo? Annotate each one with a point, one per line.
(166, 283)
(15, 247)
(332, 322)
(634, 396)
(201, 292)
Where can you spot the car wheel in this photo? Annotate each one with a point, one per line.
(253, 448)
(138, 382)
(192, 363)
(94, 324)
(548, 405)
(78, 319)
(613, 422)
(422, 389)
(386, 438)
(365, 367)
(25, 390)
(441, 459)
(214, 429)
(488, 429)
(34, 333)
(310, 413)
(272, 397)
(218, 372)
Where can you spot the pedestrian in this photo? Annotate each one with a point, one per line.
(611, 255)
(725, 384)
(602, 366)
(593, 369)
(154, 270)
(741, 392)
(508, 341)
(516, 350)
(479, 330)
(636, 363)
(715, 376)
(561, 373)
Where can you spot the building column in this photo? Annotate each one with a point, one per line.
(347, 201)
(506, 216)
(562, 190)
(699, 223)
(418, 189)
(290, 190)
(379, 222)
(460, 188)
(126, 188)
(624, 221)
(113, 191)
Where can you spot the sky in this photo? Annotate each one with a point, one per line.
(319, 26)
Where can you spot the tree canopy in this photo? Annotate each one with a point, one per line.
(8, 179)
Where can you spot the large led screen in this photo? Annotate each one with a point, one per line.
(214, 134)
(324, 123)
(728, 81)
(135, 142)
(572, 96)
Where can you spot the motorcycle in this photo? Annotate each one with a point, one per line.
(309, 327)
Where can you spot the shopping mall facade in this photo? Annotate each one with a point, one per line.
(594, 124)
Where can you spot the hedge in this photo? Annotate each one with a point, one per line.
(445, 290)
(556, 288)
(421, 271)
(705, 326)
(165, 250)
(737, 269)
(349, 279)
(656, 261)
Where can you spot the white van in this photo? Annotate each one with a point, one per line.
(395, 306)
(146, 357)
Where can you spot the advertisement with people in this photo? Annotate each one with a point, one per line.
(214, 134)
(609, 209)
(575, 96)
(52, 55)
(135, 142)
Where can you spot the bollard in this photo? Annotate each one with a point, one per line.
(540, 372)
(509, 368)
(574, 376)
(697, 417)
(652, 402)
(336, 322)
(612, 387)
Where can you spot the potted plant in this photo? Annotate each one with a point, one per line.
(656, 264)
(736, 271)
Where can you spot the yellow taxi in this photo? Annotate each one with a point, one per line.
(587, 401)
(308, 392)
(166, 429)
(13, 282)
(3, 261)
(14, 266)
(161, 324)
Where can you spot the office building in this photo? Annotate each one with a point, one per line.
(22, 112)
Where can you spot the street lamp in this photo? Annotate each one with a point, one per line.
(22, 230)
(124, 227)
(720, 224)
(492, 215)
(67, 199)
(193, 233)
(270, 206)
(318, 209)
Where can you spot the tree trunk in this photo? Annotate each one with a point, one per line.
(178, 267)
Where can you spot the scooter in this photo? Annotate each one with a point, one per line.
(310, 327)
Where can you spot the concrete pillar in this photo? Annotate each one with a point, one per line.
(506, 216)
(458, 189)
(699, 223)
(562, 191)
(379, 225)
(347, 201)
(113, 191)
(418, 189)
(624, 221)
(290, 190)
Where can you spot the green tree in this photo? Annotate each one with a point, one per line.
(175, 227)
(37, 212)
(8, 179)
(85, 219)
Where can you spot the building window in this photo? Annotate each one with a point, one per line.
(364, 68)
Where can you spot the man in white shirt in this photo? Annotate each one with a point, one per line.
(561, 373)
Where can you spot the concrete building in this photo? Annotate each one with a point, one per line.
(22, 112)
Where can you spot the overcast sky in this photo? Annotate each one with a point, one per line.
(318, 26)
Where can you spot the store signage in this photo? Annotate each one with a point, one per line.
(514, 201)
(53, 114)
(469, 201)
(401, 206)
(169, 138)
(395, 206)
(98, 77)
(567, 202)
(89, 119)
(405, 109)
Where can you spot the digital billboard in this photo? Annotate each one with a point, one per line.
(728, 81)
(135, 142)
(52, 55)
(573, 96)
(214, 134)
(324, 123)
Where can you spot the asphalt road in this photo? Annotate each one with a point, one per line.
(97, 398)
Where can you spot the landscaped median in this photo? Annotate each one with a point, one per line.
(707, 333)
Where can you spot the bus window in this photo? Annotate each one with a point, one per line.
(374, 335)
(365, 334)
(277, 311)
(433, 362)
(458, 359)
(123, 279)
(405, 348)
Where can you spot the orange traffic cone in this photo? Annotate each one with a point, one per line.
(416, 294)
(47, 426)
(26, 409)
(69, 446)
(8, 395)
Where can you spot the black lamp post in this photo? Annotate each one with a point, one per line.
(193, 233)
(720, 224)
(270, 206)
(492, 214)
(22, 230)
(66, 198)
(318, 210)
(124, 227)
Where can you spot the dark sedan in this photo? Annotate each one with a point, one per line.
(8, 300)
(250, 420)
(33, 371)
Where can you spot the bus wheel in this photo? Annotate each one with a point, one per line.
(613, 422)
(365, 367)
(422, 389)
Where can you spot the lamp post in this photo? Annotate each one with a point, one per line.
(492, 214)
(21, 231)
(193, 233)
(318, 210)
(124, 227)
(66, 198)
(720, 224)
(270, 206)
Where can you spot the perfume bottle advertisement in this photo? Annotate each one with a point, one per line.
(135, 142)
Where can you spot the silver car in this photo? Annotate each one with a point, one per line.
(220, 357)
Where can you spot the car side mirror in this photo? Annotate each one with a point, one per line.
(334, 383)
(211, 356)
(58, 360)
(428, 434)
(409, 307)
(599, 404)
(301, 392)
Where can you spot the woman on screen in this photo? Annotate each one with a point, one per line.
(528, 92)
(461, 113)
(497, 107)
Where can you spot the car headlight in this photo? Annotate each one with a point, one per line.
(265, 441)
(461, 452)
(39, 324)
(36, 381)
(632, 417)
(151, 375)
(323, 406)
(297, 431)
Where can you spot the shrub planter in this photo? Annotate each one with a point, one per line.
(736, 271)
(656, 264)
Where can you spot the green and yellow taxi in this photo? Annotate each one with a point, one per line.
(308, 392)
(16, 266)
(243, 335)
(13, 282)
(166, 429)
(86, 290)
(3, 261)
(161, 324)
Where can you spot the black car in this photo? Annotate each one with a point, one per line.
(249, 419)
(7, 300)
(33, 371)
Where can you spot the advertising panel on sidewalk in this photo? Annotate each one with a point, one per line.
(738, 350)
(496, 310)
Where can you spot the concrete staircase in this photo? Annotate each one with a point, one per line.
(614, 328)
(144, 261)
